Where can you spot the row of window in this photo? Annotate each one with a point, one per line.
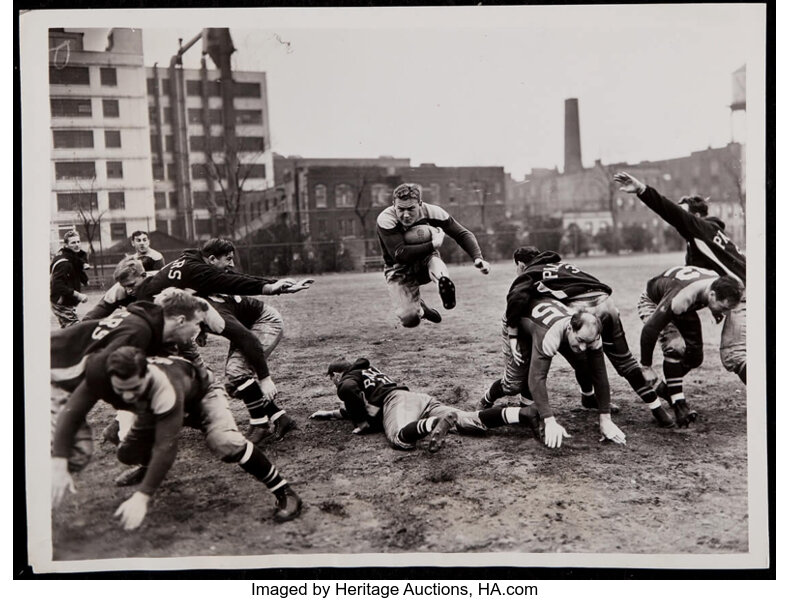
(81, 76)
(241, 89)
(83, 138)
(82, 107)
(197, 143)
(117, 231)
(88, 201)
(202, 171)
(194, 116)
(87, 170)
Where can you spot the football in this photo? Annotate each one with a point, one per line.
(418, 234)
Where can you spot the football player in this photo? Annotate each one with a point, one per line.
(374, 402)
(164, 393)
(674, 297)
(66, 277)
(129, 275)
(546, 328)
(151, 259)
(543, 274)
(407, 266)
(209, 271)
(708, 248)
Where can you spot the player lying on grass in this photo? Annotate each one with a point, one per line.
(708, 248)
(372, 401)
(410, 233)
(161, 327)
(547, 328)
(674, 297)
(164, 393)
(253, 328)
(544, 275)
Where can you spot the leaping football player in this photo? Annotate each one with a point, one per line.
(544, 275)
(410, 233)
(675, 296)
(373, 401)
(547, 328)
(164, 393)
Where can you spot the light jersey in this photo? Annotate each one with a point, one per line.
(544, 329)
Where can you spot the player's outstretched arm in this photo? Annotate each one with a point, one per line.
(61, 480)
(326, 415)
(132, 512)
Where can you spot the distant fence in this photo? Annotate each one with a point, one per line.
(351, 254)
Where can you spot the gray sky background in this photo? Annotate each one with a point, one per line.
(486, 86)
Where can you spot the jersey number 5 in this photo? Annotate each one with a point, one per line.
(546, 313)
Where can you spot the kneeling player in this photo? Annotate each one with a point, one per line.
(373, 401)
(674, 297)
(162, 392)
(411, 263)
(548, 328)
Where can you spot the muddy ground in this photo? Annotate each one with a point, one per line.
(676, 491)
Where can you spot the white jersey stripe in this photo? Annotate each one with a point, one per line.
(68, 373)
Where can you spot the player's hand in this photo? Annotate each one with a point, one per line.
(61, 481)
(278, 287)
(438, 237)
(482, 265)
(554, 433)
(610, 431)
(628, 183)
(132, 512)
(81, 297)
(298, 286)
(516, 351)
(362, 428)
(649, 375)
(325, 415)
(268, 388)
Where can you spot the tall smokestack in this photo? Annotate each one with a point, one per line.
(572, 137)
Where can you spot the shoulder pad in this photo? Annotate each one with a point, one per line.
(433, 212)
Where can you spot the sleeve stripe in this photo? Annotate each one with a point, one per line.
(705, 249)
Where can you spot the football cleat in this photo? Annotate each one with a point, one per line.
(430, 314)
(439, 433)
(589, 401)
(257, 433)
(446, 289)
(111, 432)
(282, 426)
(683, 413)
(484, 404)
(288, 504)
(131, 476)
(662, 417)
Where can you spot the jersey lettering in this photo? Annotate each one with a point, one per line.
(174, 272)
(159, 360)
(373, 377)
(683, 273)
(545, 313)
(105, 325)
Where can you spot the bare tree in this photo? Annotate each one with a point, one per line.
(610, 190)
(85, 205)
(360, 207)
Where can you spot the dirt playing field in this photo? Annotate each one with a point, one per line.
(666, 491)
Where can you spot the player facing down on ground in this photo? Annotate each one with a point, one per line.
(544, 275)
(674, 297)
(411, 265)
(548, 328)
(164, 393)
(373, 401)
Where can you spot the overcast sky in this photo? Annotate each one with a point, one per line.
(486, 86)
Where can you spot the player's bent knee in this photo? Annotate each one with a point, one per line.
(228, 446)
(693, 357)
(410, 319)
(131, 454)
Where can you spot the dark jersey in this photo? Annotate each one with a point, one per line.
(708, 246)
(547, 276)
(190, 271)
(173, 388)
(363, 389)
(151, 260)
(676, 292)
(542, 336)
(67, 275)
(71, 349)
(396, 251)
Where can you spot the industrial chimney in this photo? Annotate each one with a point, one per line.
(572, 137)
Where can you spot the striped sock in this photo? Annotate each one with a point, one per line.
(252, 396)
(416, 430)
(254, 462)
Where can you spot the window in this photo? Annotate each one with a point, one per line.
(158, 171)
(117, 200)
(70, 107)
(169, 143)
(203, 226)
(112, 139)
(195, 115)
(320, 196)
(117, 231)
(164, 89)
(75, 170)
(247, 89)
(249, 117)
(160, 201)
(114, 169)
(110, 108)
(343, 195)
(380, 195)
(250, 144)
(69, 76)
(75, 201)
(195, 88)
(72, 138)
(173, 199)
(109, 77)
(253, 171)
(161, 225)
(152, 115)
(171, 176)
(322, 230)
